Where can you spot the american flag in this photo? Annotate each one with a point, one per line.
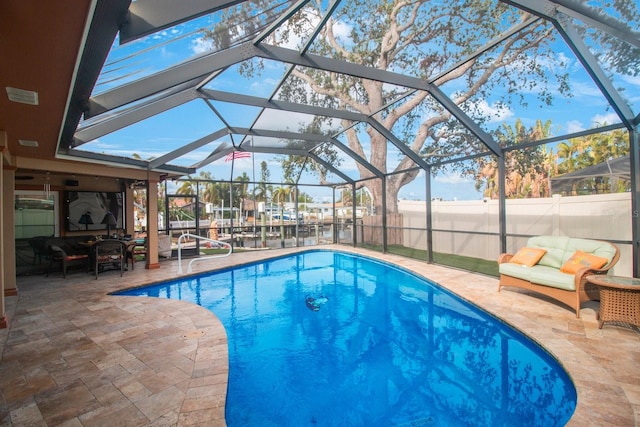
(237, 155)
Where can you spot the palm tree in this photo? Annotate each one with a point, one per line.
(242, 186)
(207, 189)
(263, 189)
(527, 170)
(280, 195)
(187, 187)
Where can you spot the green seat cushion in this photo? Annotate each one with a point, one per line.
(515, 270)
(559, 250)
(549, 276)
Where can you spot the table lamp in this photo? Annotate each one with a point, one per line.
(109, 220)
(86, 220)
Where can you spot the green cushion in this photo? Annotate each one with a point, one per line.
(515, 270)
(556, 247)
(595, 247)
(550, 276)
(540, 275)
(559, 250)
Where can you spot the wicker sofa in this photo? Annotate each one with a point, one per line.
(547, 276)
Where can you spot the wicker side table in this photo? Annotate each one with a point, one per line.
(619, 299)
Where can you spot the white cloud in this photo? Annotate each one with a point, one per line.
(495, 113)
(585, 89)
(602, 119)
(201, 45)
(342, 30)
(632, 80)
(574, 126)
(452, 178)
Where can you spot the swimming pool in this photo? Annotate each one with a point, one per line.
(334, 339)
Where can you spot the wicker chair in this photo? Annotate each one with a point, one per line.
(39, 246)
(135, 250)
(109, 253)
(59, 255)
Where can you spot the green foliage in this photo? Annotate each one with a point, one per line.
(421, 39)
(263, 190)
(578, 153)
(589, 150)
(527, 170)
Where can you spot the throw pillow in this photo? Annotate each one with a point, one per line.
(528, 256)
(582, 259)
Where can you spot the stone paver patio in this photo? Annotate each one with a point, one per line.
(75, 356)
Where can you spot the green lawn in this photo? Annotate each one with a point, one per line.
(476, 265)
(220, 251)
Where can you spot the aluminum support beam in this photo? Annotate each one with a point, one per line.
(355, 156)
(273, 26)
(559, 16)
(202, 67)
(198, 69)
(130, 116)
(187, 148)
(218, 153)
(634, 158)
(487, 46)
(577, 9)
(332, 7)
(298, 108)
(332, 168)
(103, 29)
(255, 101)
(354, 217)
(118, 161)
(385, 238)
(281, 151)
(466, 121)
(502, 205)
(590, 63)
(429, 215)
(339, 66)
(415, 157)
(279, 134)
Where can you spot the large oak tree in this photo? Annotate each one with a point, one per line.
(420, 38)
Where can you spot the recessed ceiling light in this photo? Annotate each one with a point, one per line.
(23, 96)
(28, 143)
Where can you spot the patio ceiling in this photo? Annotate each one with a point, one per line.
(138, 95)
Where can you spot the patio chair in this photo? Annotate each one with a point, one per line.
(39, 246)
(59, 255)
(109, 253)
(136, 249)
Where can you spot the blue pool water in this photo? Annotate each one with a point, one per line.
(331, 339)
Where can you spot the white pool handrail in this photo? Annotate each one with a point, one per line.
(195, 236)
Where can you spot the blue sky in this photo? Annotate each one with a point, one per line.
(192, 121)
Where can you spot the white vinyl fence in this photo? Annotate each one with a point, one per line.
(603, 217)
